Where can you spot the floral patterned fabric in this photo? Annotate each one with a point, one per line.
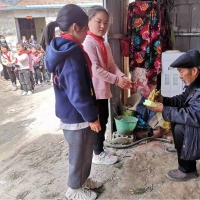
(145, 49)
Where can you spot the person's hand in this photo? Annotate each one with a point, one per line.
(124, 83)
(15, 69)
(158, 108)
(95, 126)
(40, 67)
(159, 98)
(128, 81)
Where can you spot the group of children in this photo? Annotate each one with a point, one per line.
(27, 66)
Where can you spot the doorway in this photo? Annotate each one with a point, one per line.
(27, 28)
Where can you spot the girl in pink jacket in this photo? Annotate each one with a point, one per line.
(105, 72)
(32, 59)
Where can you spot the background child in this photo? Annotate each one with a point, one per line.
(7, 59)
(4, 72)
(43, 70)
(36, 64)
(105, 72)
(32, 58)
(22, 60)
(74, 93)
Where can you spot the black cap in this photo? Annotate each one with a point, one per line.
(187, 60)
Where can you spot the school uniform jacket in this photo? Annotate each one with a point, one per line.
(103, 75)
(5, 60)
(74, 93)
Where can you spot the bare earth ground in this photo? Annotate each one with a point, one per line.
(34, 157)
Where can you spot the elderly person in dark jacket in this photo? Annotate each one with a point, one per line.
(183, 111)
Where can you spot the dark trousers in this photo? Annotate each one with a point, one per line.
(49, 75)
(5, 73)
(99, 138)
(12, 74)
(186, 166)
(80, 156)
(32, 80)
(25, 80)
(44, 74)
(38, 75)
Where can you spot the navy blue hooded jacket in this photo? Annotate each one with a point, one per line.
(74, 92)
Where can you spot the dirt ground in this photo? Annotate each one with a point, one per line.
(34, 157)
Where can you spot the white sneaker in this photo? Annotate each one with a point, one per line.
(92, 184)
(104, 159)
(14, 87)
(80, 194)
(24, 93)
(29, 93)
(110, 153)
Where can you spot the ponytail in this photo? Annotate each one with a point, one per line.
(67, 15)
(48, 34)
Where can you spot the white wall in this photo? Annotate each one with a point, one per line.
(40, 23)
(9, 24)
(8, 28)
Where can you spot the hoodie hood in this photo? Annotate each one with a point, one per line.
(57, 51)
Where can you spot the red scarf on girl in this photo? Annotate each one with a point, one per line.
(36, 53)
(70, 37)
(7, 56)
(20, 53)
(102, 45)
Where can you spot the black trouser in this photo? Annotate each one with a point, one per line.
(178, 131)
(38, 75)
(44, 74)
(12, 74)
(32, 80)
(5, 73)
(49, 75)
(25, 80)
(102, 105)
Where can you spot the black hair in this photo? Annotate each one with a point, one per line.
(27, 45)
(37, 46)
(4, 45)
(22, 44)
(96, 8)
(68, 15)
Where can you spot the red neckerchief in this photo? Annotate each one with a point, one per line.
(42, 51)
(20, 53)
(70, 37)
(7, 56)
(102, 45)
(35, 53)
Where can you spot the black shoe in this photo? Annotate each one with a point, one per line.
(177, 175)
(171, 150)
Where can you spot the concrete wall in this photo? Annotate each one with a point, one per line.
(40, 23)
(9, 24)
(8, 28)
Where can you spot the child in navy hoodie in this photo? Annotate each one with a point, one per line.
(74, 94)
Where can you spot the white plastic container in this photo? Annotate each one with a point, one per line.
(171, 84)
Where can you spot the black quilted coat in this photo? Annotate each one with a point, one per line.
(185, 109)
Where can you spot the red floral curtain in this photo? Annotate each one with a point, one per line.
(144, 29)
